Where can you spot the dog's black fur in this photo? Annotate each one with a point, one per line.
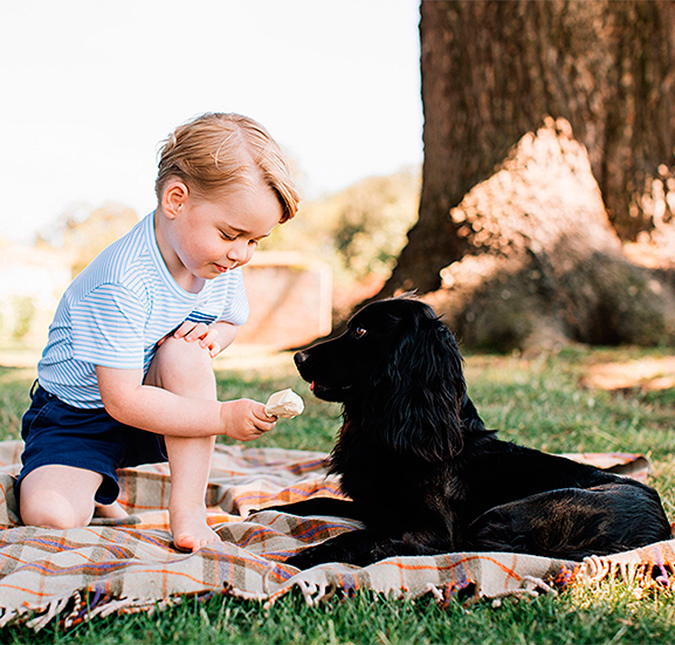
(424, 474)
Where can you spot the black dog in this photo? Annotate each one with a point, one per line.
(424, 474)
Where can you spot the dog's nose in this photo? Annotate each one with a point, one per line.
(299, 358)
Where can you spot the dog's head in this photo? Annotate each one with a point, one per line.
(398, 370)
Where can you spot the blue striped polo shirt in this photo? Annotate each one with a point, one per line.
(117, 309)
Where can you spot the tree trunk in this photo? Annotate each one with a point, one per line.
(545, 266)
(492, 70)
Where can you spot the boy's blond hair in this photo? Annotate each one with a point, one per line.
(218, 150)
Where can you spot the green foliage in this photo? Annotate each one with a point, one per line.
(84, 232)
(14, 388)
(535, 401)
(24, 312)
(360, 230)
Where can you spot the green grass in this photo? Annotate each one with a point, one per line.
(537, 402)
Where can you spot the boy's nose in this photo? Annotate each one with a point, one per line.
(238, 252)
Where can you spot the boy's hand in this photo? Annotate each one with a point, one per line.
(207, 336)
(245, 420)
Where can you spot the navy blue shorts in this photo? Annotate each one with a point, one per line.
(56, 433)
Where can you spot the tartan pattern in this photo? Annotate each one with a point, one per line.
(112, 566)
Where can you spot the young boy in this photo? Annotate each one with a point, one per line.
(126, 377)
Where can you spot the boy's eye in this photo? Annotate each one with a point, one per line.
(225, 236)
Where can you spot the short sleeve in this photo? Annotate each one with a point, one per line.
(236, 307)
(107, 328)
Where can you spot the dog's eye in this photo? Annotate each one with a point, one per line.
(360, 332)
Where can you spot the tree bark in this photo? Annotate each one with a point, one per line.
(545, 266)
(492, 70)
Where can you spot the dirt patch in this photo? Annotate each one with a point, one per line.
(645, 374)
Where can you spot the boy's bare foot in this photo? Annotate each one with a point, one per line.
(112, 511)
(189, 528)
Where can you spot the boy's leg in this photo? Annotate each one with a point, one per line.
(190, 462)
(111, 511)
(61, 497)
(185, 368)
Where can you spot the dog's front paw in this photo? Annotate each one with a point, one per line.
(278, 508)
(305, 559)
(353, 547)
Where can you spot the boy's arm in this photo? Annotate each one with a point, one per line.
(129, 401)
(227, 332)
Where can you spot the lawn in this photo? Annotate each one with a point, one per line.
(536, 401)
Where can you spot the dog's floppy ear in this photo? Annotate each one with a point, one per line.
(421, 391)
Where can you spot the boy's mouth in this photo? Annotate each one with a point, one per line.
(220, 268)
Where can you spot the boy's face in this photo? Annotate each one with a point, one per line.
(209, 236)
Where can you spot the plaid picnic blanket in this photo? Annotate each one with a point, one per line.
(131, 565)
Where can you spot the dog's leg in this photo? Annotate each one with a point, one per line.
(572, 523)
(354, 547)
(365, 546)
(319, 506)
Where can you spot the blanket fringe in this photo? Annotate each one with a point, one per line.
(7, 616)
(316, 586)
(85, 606)
(531, 588)
(656, 575)
(319, 585)
(53, 609)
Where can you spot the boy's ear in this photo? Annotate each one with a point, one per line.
(174, 197)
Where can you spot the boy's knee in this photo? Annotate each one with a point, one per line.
(177, 353)
(178, 364)
(53, 511)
